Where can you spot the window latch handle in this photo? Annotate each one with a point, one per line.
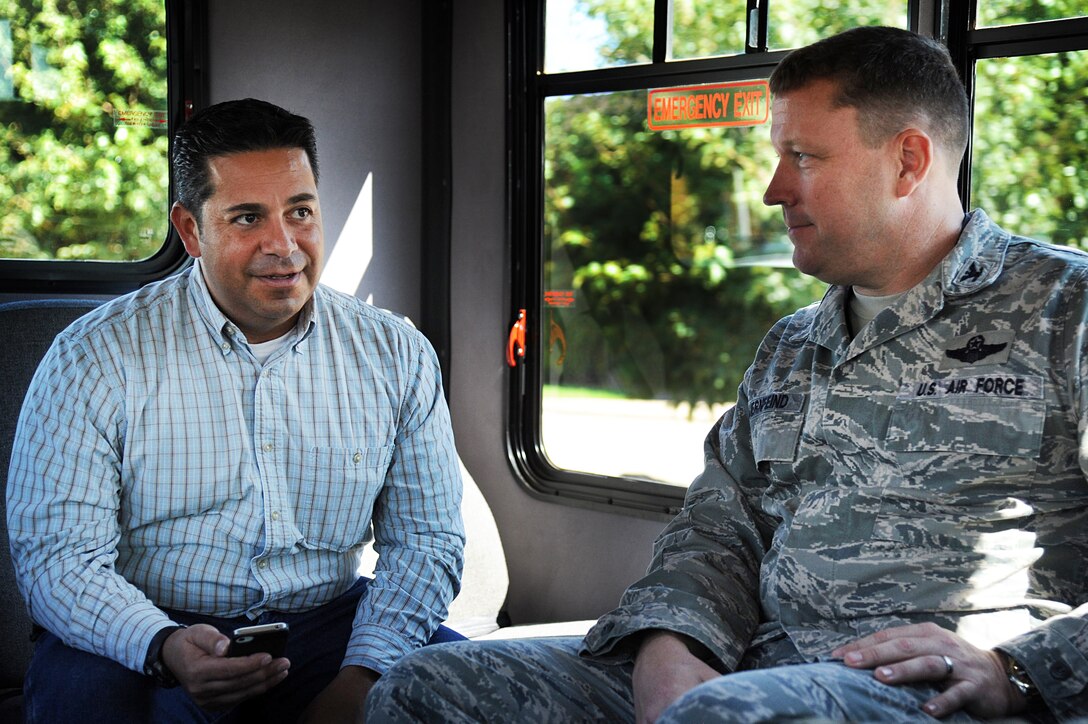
(515, 344)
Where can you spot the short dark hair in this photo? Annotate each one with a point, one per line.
(233, 127)
(893, 77)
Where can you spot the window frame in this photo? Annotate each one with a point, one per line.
(186, 39)
(968, 44)
(528, 86)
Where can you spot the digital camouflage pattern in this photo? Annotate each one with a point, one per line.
(523, 680)
(544, 680)
(932, 468)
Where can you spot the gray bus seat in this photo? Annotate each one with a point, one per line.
(27, 328)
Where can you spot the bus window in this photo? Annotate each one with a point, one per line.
(663, 270)
(1007, 12)
(651, 268)
(1030, 159)
(795, 24)
(83, 130)
(706, 28)
(660, 267)
(579, 37)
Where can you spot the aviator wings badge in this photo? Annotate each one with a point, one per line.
(975, 348)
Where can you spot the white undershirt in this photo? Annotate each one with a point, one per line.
(863, 309)
(263, 350)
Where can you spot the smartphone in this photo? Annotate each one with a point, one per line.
(268, 637)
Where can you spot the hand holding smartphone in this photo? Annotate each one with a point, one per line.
(269, 638)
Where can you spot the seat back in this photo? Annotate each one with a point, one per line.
(26, 331)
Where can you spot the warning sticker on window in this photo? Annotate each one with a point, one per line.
(559, 298)
(745, 103)
(144, 119)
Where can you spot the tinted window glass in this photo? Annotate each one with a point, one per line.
(663, 270)
(1029, 166)
(801, 22)
(83, 132)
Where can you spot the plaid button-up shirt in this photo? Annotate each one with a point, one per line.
(158, 463)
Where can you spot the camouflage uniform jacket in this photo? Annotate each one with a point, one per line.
(932, 468)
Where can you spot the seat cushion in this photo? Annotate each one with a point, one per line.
(27, 328)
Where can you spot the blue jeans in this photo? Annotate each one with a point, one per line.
(68, 685)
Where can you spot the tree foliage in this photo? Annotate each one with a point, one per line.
(656, 232)
(74, 182)
(1030, 155)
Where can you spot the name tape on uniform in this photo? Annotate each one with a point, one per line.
(1029, 387)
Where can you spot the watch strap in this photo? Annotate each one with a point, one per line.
(1019, 677)
(154, 666)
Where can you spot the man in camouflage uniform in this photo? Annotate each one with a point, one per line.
(893, 520)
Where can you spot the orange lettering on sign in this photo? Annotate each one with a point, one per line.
(559, 298)
(744, 103)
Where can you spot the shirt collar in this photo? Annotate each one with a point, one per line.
(974, 263)
(224, 330)
(978, 257)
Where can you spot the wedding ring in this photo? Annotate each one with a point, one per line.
(949, 666)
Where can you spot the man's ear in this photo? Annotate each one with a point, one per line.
(188, 228)
(915, 151)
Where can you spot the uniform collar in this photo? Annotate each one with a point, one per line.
(978, 257)
(974, 263)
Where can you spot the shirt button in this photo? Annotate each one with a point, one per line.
(275, 515)
(357, 457)
(262, 564)
(267, 447)
(225, 346)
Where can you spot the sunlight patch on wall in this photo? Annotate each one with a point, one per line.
(351, 255)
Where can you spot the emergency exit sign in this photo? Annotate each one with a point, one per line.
(745, 103)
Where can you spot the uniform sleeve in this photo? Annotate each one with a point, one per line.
(703, 579)
(1055, 655)
(63, 502)
(418, 532)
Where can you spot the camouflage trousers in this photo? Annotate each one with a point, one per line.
(544, 681)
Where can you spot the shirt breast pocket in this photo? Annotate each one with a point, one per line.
(775, 438)
(338, 490)
(963, 464)
(985, 426)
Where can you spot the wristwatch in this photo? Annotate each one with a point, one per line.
(1019, 678)
(154, 666)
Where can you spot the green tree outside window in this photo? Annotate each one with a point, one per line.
(667, 266)
(83, 141)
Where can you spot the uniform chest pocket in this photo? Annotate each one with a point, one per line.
(971, 425)
(775, 436)
(961, 462)
(338, 489)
